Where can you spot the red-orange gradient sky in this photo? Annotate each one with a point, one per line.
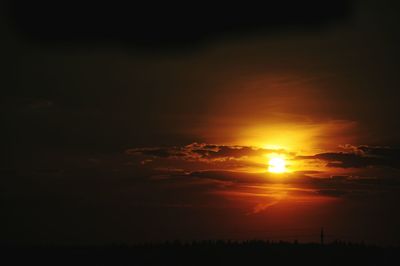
(107, 141)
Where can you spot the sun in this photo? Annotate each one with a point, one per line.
(277, 164)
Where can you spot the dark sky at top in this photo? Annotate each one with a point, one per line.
(119, 121)
(168, 24)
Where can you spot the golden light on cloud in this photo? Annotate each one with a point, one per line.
(277, 164)
(301, 138)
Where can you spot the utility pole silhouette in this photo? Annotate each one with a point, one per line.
(322, 235)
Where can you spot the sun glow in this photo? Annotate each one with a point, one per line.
(277, 164)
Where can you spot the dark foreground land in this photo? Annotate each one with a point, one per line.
(203, 253)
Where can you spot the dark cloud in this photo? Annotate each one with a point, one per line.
(359, 157)
(202, 151)
(340, 159)
(156, 152)
(380, 151)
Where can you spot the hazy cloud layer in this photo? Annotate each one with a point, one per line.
(212, 168)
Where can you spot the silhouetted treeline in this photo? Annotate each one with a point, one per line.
(204, 253)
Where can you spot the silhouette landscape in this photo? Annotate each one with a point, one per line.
(253, 252)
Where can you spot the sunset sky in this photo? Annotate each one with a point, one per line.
(161, 126)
